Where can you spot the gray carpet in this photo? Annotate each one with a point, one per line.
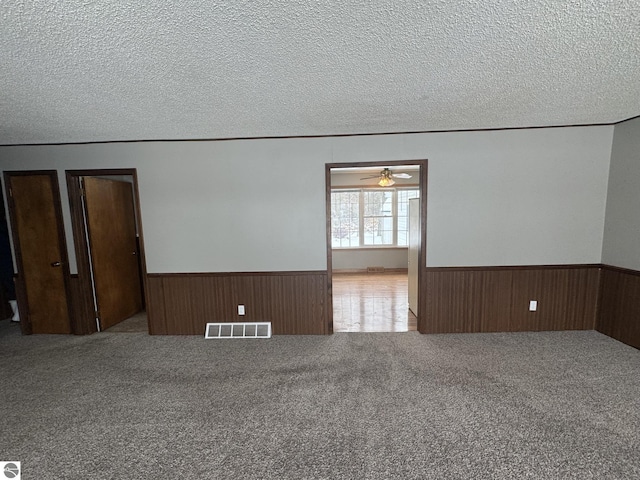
(352, 406)
(135, 324)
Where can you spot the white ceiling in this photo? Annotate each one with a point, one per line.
(98, 70)
(376, 169)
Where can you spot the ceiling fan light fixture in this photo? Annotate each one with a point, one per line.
(385, 177)
(386, 180)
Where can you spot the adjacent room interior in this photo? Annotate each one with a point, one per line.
(370, 235)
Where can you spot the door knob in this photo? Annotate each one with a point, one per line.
(55, 264)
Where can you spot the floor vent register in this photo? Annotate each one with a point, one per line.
(238, 330)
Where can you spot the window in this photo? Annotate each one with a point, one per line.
(370, 217)
(345, 218)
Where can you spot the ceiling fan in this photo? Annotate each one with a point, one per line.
(386, 177)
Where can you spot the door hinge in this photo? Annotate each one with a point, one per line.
(11, 192)
(82, 194)
(98, 314)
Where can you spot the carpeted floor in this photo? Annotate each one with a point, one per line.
(348, 406)
(135, 324)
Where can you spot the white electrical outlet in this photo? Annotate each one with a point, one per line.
(240, 309)
(533, 305)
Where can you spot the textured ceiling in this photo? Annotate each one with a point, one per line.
(98, 70)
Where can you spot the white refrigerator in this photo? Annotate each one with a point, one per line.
(414, 253)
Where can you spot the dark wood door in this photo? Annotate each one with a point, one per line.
(37, 232)
(111, 229)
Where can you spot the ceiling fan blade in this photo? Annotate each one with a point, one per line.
(401, 175)
(368, 178)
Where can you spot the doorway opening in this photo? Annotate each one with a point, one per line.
(375, 264)
(107, 229)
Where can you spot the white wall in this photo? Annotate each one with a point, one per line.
(622, 226)
(495, 198)
(517, 197)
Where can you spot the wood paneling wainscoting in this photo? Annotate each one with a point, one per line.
(496, 299)
(619, 315)
(183, 303)
(455, 300)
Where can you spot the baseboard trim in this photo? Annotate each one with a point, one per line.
(492, 268)
(364, 271)
(627, 271)
(238, 274)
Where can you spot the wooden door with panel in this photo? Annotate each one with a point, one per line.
(111, 229)
(40, 251)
